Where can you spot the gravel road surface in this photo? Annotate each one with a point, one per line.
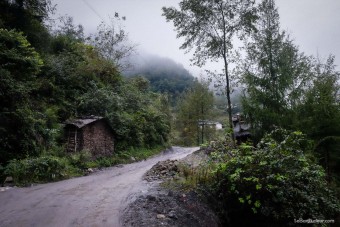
(95, 200)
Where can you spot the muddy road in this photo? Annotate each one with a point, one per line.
(95, 200)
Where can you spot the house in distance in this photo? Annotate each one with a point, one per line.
(241, 129)
(90, 133)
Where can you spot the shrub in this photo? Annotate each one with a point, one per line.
(273, 184)
(40, 169)
(106, 161)
(79, 159)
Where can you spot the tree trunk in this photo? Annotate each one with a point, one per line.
(203, 121)
(232, 136)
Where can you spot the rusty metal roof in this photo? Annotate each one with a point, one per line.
(81, 122)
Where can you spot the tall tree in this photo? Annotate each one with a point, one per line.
(274, 73)
(194, 110)
(320, 115)
(112, 43)
(209, 27)
(19, 67)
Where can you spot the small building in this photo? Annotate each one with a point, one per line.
(210, 124)
(241, 129)
(89, 133)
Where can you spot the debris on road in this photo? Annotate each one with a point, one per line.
(162, 170)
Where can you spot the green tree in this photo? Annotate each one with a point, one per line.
(209, 27)
(274, 73)
(68, 29)
(72, 70)
(139, 117)
(19, 121)
(194, 110)
(27, 16)
(111, 41)
(320, 115)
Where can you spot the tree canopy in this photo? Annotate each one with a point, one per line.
(43, 87)
(209, 29)
(275, 73)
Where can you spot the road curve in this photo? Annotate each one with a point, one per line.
(95, 200)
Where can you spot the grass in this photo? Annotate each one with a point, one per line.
(124, 157)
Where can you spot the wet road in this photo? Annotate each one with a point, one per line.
(95, 200)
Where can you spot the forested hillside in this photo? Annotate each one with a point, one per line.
(165, 75)
(51, 75)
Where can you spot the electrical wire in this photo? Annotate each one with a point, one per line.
(93, 10)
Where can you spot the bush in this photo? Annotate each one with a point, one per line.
(40, 169)
(273, 184)
(80, 159)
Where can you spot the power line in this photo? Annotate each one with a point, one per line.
(93, 10)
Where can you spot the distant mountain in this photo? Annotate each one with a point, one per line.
(164, 74)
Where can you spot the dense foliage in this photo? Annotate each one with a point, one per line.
(274, 73)
(282, 177)
(48, 77)
(284, 88)
(139, 117)
(319, 116)
(194, 109)
(39, 169)
(19, 66)
(274, 184)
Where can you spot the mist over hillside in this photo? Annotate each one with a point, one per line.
(164, 74)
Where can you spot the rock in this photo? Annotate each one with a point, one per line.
(9, 182)
(132, 158)
(160, 216)
(172, 214)
(2, 189)
(151, 198)
(90, 170)
(162, 170)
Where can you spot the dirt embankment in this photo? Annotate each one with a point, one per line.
(164, 207)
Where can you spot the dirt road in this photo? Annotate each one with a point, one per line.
(95, 200)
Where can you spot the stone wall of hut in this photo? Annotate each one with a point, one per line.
(98, 138)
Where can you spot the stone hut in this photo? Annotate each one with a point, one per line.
(89, 133)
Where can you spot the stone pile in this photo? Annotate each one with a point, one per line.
(162, 170)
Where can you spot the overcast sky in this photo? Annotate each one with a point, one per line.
(313, 24)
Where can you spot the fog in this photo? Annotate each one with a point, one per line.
(145, 62)
(314, 25)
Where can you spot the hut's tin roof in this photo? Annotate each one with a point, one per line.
(81, 122)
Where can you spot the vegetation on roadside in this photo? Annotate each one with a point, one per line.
(289, 171)
(49, 75)
(275, 183)
(54, 167)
